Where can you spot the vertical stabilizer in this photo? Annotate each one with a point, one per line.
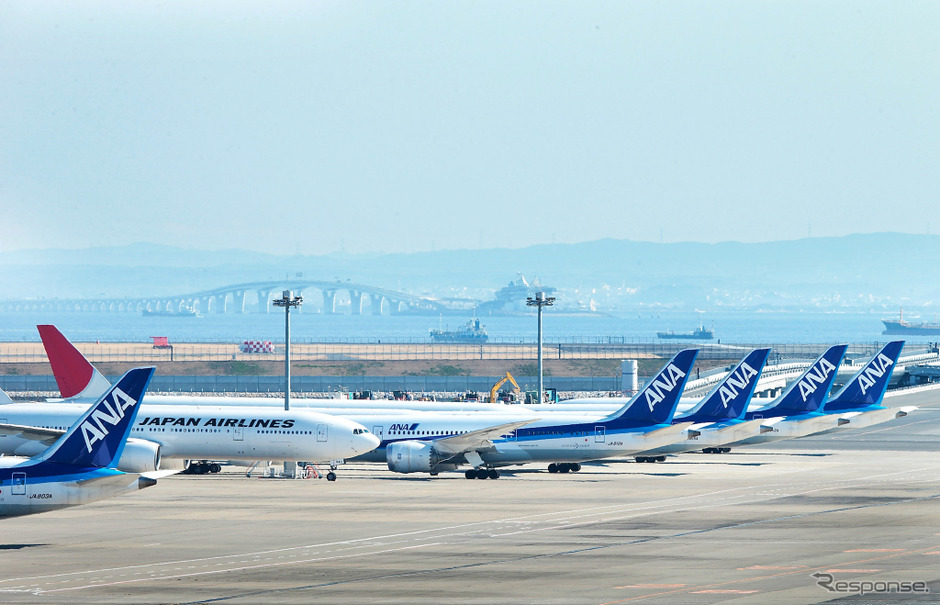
(867, 388)
(98, 437)
(807, 394)
(730, 398)
(657, 400)
(74, 374)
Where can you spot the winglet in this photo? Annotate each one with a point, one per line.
(656, 402)
(809, 392)
(97, 439)
(73, 373)
(867, 388)
(729, 399)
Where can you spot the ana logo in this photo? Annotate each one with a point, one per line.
(737, 381)
(403, 428)
(94, 429)
(875, 370)
(815, 376)
(664, 384)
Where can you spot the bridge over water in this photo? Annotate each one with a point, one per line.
(334, 297)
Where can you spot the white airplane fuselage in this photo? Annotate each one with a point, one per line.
(209, 432)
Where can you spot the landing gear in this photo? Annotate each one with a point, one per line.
(650, 459)
(564, 467)
(482, 473)
(331, 476)
(716, 450)
(202, 467)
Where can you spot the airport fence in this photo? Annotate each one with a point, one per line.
(101, 352)
(326, 384)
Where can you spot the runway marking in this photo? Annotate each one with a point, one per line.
(548, 520)
(757, 578)
(723, 591)
(243, 568)
(936, 552)
(652, 586)
(772, 567)
(876, 550)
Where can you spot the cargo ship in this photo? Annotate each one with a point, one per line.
(899, 326)
(472, 332)
(700, 333)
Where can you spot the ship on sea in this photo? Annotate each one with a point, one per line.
(899, 326)
(511, 299)
(700, 333)
(472, 332)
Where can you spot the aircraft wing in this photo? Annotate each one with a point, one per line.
(474, 440)
(31, 433)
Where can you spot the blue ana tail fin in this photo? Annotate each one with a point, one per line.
(656, 402)
(729, 399)
(809, 392)
(868, 386)
(97, 439)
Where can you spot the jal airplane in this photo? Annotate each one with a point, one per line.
(200, 430)
(78, 467)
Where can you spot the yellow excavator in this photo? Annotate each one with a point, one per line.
(508, 378)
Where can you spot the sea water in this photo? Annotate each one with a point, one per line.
(738, 326)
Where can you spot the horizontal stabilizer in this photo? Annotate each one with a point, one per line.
(672, 429)
(110, 480)
(867, 387)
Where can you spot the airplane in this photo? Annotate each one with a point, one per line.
(198, 432)
(457, 434)
(642, 424)
(719, 417)
(78, 467)
(858, 403)
(796, 413)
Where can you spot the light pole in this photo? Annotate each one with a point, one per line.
(287, 301)
(540, 301)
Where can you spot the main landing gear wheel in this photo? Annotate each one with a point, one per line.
(482, 473)
(331, 476)
(564, 467)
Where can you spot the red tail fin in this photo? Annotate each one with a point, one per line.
(72, 371)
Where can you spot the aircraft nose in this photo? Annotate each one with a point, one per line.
(369, 442)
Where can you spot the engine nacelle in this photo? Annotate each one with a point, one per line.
(414, 457)
(140, 456)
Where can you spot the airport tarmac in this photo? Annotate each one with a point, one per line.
(752, 526)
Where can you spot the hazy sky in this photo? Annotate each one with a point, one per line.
(319, 127)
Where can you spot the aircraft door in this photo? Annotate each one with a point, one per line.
(239, 434)
(322, 432)
(379, 431)
(600, 434)
(19, 484)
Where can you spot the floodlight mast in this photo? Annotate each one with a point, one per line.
(540, 301)
(287, 301)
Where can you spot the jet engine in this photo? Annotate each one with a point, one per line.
(415, 457)
(139, 456)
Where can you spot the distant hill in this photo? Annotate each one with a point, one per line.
(871, 271)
